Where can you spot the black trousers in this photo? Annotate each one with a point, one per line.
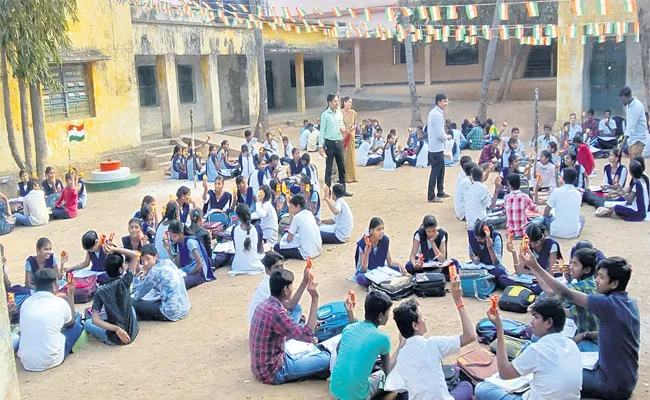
(334, 151)
(437, 175)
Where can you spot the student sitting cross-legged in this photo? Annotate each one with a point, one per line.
(272, 262)
(44, 258)
(303, 238)
(49, 325)
(121, 324)
(34, 208)
(486, 250)
(462, 184)
(336, 230)
(271, 326)
(95, 256)
(135, 239)
(365, 155)
(248, 243)
(162, 280)
(516, 204)
(565, 201)
(373, 251)
(418, 369)
(554, 360)
(617, 370)
(361, 343)
(266, 211)
(429, 241)
(636, 198)
(188, 254)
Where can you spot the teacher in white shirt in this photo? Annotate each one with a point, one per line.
(436, 140)
(636, 126)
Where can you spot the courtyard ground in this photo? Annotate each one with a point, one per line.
(205, 356)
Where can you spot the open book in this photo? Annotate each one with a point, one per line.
(381, 274)
(518, 385)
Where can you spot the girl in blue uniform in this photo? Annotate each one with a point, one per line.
(278, 199)
(615, 173)
(545, 249)
(571, 161)
(310, 170)
(636, 209)
(95, 256)
(211, 163)
(312, 197)
(224, 166)
(22, 185)
(148, 223)
(376, 255)
(430, 241)
(194, 167)
(295, 164)
(245, 193)
(170, 215)
(177, 168)
(51, 185)
(135, 239)
(188, 254)
(247, 161)
(82, 194)
(216, 200)
(150, 201)
(44, 258)
(185, 204)
(486, 250)
(392, 157)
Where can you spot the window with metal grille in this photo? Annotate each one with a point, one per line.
(399, 54)
(461, 54)
(185, 83)
(147, 86)
(71, 98)
(314, 75)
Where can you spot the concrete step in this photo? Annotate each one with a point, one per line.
(164, 149)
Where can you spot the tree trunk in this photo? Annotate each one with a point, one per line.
(38, 120)
(416, 118)
(489, 64)
(24, 121)
(262, 125)
(11, 136)
(509, 72)
(643, 11)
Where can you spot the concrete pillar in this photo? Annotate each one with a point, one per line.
(211, 92)
(169, 101)
(357, 64)
(427, 64)
(8, 379)
(301, 105)
(338, 73)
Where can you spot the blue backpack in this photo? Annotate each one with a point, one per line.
(476, 283)
(332, 318)
(487, 332)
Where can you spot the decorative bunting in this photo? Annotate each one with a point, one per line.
(406, 11)
(487, 32)
(578, 7)
(452, 13)
(390, 14)
(630, 6)
(503, 11)
(301, 13)
(336, 11)
(537, 31)
(318, 11)
(436, 15)
(504, 32)
(519, 31)
(366, 14)
(460, 33)
(533, 10)
(619, 38)
(472, 30)
(472, 11)
(422, 13)
(352, 13)
(603, 7)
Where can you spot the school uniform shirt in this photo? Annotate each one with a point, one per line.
(51, 189)
(35, 208)
(70, 197)
(609, 175)
(304, 225)
(377, 143)
(42, 317)
(521, 149)
(565, 201)
(542, 142)
(361, 343)
(343, 221)
(247, 164)
(250, 145)
(304, 138)
(573, 131)
(269, 221)
(271, 147)
(288, 149)
(607, 129)
(581, 177)
(619, 337)
(556, 365)
(640, 191)
(516, 204)
(459, 195)
(22, 189)
(262, 293)
(247, 261)
(115, 298)
(167, 281)
(458, 136)
(363, 153)
(636, 128)
(419, 367)
(547, 173)
(477, 200)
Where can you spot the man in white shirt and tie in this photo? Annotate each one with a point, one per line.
(436, 140)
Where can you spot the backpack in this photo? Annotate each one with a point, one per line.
(486, 332)
(84, 289)
(516, 299)
(397, 287)
(332, 318)
(429, 284)
(477, 365)
(514, 346)
(477, 283)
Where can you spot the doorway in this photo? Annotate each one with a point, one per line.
(270, 92)
(607, 75)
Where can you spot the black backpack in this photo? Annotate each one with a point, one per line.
(516, 299)
(429, 284)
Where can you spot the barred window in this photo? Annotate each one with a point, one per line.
(147, 86)
(185, 83)
(71, 99)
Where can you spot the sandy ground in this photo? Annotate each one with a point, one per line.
(206, 355)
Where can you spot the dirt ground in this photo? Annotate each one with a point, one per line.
(206, 355)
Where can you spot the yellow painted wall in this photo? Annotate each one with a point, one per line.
(571, 56)
(293, 39)
(105, 26)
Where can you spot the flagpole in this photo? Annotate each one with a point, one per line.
(193, 147)
(69, 154)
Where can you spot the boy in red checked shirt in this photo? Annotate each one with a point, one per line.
(490, 153)
(66, 206)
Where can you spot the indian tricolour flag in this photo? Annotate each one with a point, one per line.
(76, 133)
(503, 11)
(630, 6)
(578, 7)
(603, 7)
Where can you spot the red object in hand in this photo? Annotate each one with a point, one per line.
(367, 240)
(524, 244)
(511, 236)
(495, 303)
(69, 277)
(351, 297)
(110, 237)
(421, 257)
(452, 272)
(102, 240)
(486, 229)
(11, 302)
(63, 253)
(309, 268)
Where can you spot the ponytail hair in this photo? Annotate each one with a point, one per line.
(374, 222)
(179, 228)
(536, 232)
(145, 212)
(171, 212)
(267, 192)
(195, 216)
(478, 228)
(244, 217)
(147, 200)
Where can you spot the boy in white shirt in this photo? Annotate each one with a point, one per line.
(271, 146)
(34, 208)
(462, 184)
(304, 135)
(477, 198)
(365, 155)
(337, 229)
(565, 201)
(303, 238)
(274, 262)
(418, 369)
(554, 360)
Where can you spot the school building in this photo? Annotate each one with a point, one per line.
(591, 75)
(136, 72)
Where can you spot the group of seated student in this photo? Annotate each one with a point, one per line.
(309, 136)
(373, 150)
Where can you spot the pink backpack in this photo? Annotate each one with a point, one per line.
(84, 289)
